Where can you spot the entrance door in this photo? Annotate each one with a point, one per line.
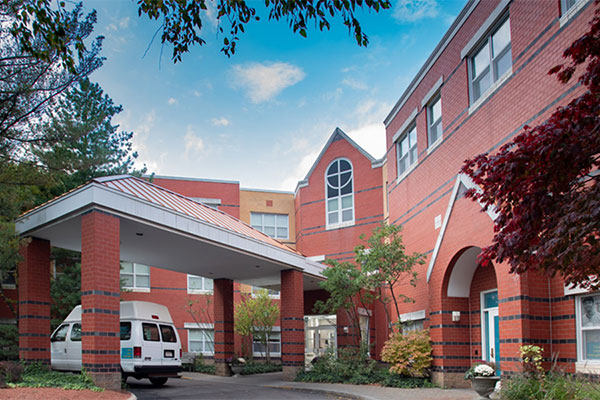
(320, 332)
(490, 328)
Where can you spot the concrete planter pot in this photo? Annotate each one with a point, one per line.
(236, 369)
(484, 385)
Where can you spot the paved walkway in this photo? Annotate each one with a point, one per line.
(361, 392)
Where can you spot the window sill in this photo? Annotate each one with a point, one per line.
(136, 290)
(566, 17)
(488, 93)
(192, 291)
(407, 172)
(271, 296)
(434, 145)
(588, 367)
(9, 286)
(337, 226)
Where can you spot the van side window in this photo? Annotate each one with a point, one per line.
(61, 334)
(150, 332)
(125, 330)
(168, 334)
(76, 333)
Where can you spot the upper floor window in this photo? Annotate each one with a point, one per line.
(199, 284)
(491, 61)
(135, 276)
(406, 150)
(434, 120)
(566, 5)
(274, 225)
(340, 197)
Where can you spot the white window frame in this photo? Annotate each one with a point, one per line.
(204, 290)
(276, 226)
(276, 331)
(273, 294)
(411, 320)
(135, 274)
(496, 80)
(583, 365)
(412, 163)
(339, 197)
(567, 13)
(430, 123)
(190, 326)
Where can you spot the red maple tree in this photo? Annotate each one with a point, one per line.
(544, 184)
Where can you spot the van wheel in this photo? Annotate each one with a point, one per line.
(158, 381)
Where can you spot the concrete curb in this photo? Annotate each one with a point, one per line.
(132, 397)
(321, 391)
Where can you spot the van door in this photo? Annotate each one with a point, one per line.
(73, 360)
(127, 345)
(170, 345)
(58, 347)
(151, 346)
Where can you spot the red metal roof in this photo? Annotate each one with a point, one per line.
(174, 201)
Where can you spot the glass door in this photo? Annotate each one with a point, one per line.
(490, 328)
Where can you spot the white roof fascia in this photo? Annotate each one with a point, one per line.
(435, 54)
(469, 184)
(182, 178)
(114, 201)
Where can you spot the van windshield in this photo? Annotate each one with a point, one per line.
(150, 332)
(125, 330)
(168, 334)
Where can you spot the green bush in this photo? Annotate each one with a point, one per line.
(10, 372)
(205, 369)
(552, 386)
(252, 368)
(9, 342)
(37, 375)
(408, 353)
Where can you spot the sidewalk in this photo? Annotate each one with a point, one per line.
(360, 392)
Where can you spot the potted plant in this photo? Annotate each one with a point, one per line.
(236, 364)
(483, 378)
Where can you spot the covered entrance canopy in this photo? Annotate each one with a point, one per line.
(127, 218)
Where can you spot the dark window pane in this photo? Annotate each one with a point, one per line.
(344, 165)
(333, 168)
(333, 180)
(76, 333)
(150, 332)
(344, 178)
(61, 334)
(125, 330)
(331, 192)
(168, 334)
(347, 189)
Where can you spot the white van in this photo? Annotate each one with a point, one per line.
(150, 345)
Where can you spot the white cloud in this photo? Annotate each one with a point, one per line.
(414, 10)
(194, 145)
(334, 95)
(141, 136)
(370, 137)
(220, 121)
(196, 93)
(172, 101)
(263, 82)
(124, 22)
(355, 84)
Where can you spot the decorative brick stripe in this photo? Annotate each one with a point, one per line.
(34, 348)
(26, 334)
(100, 293)
(292, 354)
(27, 316)
(292, 329)
(455, 343)
(35, 302)
(100, 311)
(537, 317)
(110, 352)
(102, 367)
(451, 357)
(292, 319)
(292, 363)
(436, 368)
(293, 343)
(224, 352)
(98, 333)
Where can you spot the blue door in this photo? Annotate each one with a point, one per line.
(490, 328)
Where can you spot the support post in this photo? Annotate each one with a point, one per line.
(292, 323)
(223, 312)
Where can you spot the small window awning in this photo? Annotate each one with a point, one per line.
(165, 229)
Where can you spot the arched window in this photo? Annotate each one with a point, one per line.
(340, 198)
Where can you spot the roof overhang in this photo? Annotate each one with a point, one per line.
(162, 237)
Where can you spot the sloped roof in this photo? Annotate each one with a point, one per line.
(166, 198)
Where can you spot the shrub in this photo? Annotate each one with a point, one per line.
(38, 375)
(205, 369)
(552, 386)
(10, 372)
(252, 368)
(408, 353)
(9, 342)
(531, 358)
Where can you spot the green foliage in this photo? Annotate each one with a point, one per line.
(9, 342)
(65, 290)
(37, 375)
(354, 367)
(10, 372)
(409, 354)
(531, 358)
(470, 374)
(387, 266)
(552, 386)
(256, 316)
(252, 368)
(205, 369)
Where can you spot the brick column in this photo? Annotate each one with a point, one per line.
(292, 323)
(34, 302)
(223, 313)
(100, 293)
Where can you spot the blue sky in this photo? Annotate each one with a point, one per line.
(262, 116)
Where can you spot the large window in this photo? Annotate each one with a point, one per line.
(201, 341)
(274, 343)
(274, 225)
(135, 276)
(434, 121)
(199, 285)
(588, 328)
(255, 290)
(406, 150)
(340, 197)
(491, 61)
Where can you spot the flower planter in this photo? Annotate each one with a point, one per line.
(484, 385)
(236, 369)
